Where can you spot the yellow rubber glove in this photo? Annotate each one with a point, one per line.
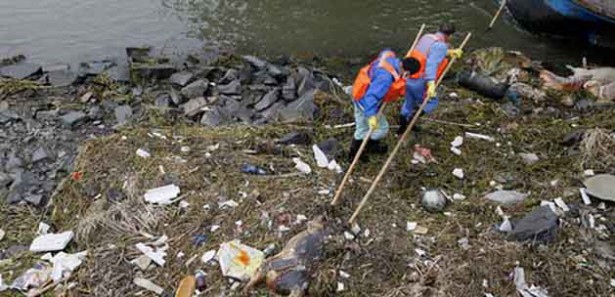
(455, 53)
(431, 89)
(373, 122)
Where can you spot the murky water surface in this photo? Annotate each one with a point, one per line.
(53, 31)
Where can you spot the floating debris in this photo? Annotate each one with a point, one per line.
(508, 198)
(302, 166)
(458, 173)
(51, 242)
(156, 255)
(239, 261)
(208, 256)
(457, 142)
(480, 136)
(433, 201)
(143, 153)
(163, 195)
(148, 285)
(585, 197)
(601, 186)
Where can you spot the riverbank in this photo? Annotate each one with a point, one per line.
(80, 155)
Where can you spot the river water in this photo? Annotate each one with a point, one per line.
(52, 31)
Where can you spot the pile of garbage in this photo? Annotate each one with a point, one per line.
(485, 199)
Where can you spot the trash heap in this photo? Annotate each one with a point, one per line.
(485, 199)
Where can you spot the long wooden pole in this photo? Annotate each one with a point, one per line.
(402, 140)
(357, 156)
(497, 14)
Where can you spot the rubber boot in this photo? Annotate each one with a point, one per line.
(377, 147)
(403, 124)
(355, 145)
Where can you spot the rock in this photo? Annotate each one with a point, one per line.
(273, 112)
(47, 115)
(214, 117)
(539, 226)
(231, 106)
(175, 98)
(245, 115)
(5, 180)
(13, 161)
(119, 73)
(8, 116)
(305, 81)
(300, 138)
(255, 62)
(508, 198)
(21, 71)
(573, 138)
(230, 75)
(61, 78)
(95, 68)
(330, 147)
(267, 100)
(34, 199)
(302, 109)
(277, 72)
(114, 195)
(123, 114)
(601, 186)
(181, 78)
(289, 90)
(233, 88)
(163, 100)
(155, 71)
(51, 242)
(39, 155)
(73, 119)
(245, 75)
(194, 106)
(95, 112)
(510, 110)
(433, 201)
(529, 158)
(195, 89)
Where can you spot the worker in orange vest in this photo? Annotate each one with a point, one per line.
(431, 51)
(383, 80)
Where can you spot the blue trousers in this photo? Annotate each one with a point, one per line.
(415, 92)
(362, 127)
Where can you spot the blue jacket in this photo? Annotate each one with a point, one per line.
(381, 81)
(437, 53)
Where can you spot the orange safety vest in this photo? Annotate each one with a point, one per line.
(363, 80)
(421, 52)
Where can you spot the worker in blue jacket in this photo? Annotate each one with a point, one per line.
(431, 52)
(383, 80)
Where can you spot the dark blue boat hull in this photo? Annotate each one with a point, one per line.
(563, 18)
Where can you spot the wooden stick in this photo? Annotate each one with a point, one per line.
(497, 14)
(354, 163)
(402, 140)
(416, 40)
(449, 123)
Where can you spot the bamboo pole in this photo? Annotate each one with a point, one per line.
(497, 14)
(357, 156)
(401, 140)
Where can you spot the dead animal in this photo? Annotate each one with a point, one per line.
(288, 273)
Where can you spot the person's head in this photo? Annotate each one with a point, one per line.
(411, 65)
(447, 29)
